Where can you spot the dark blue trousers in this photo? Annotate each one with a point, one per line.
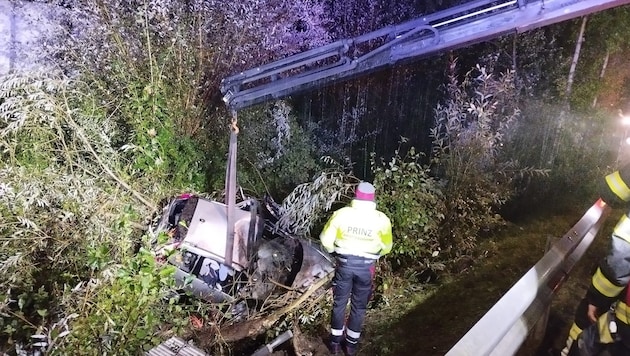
(353, 279)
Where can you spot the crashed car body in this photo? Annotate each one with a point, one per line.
(263, 260)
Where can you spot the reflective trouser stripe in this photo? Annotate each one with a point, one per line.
(353, 334)
(575, 331)
(604, 286)
(618, 186)
(621, 312)
(567, 348)
(336, 332)
(622, 229)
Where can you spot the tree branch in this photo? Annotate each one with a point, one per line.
(252, 328)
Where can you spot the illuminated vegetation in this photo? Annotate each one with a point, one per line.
(132, 115)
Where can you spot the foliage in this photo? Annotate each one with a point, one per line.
(611, 27)
(243, 35)
(355, 18)
(407, 194)
(275, 153)
(63, 193)
(253, 32)
(601, 76)
(344, 126)
(536, 58)
(413, 201)
(305, 206)
(470, 130)
(80, 155)
(144, 67)
(150, 65)
(121, 312)
(587, 146)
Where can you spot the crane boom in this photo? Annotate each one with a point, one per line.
(445, 30)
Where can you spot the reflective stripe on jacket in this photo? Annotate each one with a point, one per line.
(615, 190)
(358, 229)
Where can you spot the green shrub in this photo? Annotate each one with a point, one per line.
(304, 210)
(414, 202)
(65, 190)
(471, 128)
(275, 153)
(122, 310)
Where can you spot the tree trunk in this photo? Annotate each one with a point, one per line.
(601, 74)
(514, 54)
(13, 37)
(567, 103)
(576, 57)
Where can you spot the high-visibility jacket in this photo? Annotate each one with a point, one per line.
(613, 274)
(359, 230)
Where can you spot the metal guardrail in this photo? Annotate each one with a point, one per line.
(504, 328)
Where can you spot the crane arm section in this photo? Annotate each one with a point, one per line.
(445, 30)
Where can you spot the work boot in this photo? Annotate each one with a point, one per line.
(349, 349)
(334, 348)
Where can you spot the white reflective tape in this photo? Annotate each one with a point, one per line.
(336, 332)
(353, 334)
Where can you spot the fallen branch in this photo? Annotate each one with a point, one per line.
(255, 327)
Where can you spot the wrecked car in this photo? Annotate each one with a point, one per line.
(264, 258)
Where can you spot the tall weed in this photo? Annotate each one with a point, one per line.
(471, 128)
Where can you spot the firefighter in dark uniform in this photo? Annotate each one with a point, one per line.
(602, 320)
(357, 235)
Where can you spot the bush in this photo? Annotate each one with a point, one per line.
(63, 193)
(275, 154)
(471, 128)
(123, 311)
(303, 210)
(82, 150)
(414, 202)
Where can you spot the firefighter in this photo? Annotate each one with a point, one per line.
(602, 317)
(357, 235)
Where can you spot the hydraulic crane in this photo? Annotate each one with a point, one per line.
(457, 27)
(453, 28)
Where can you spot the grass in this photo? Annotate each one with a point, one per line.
(431, 319)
